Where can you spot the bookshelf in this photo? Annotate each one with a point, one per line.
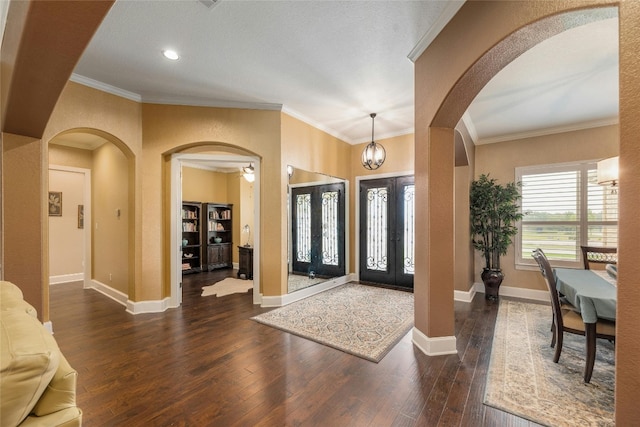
(218, 235)
(191, 244)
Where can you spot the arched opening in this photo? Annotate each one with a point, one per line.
(444, 91)
(213, 159)
(90, 236)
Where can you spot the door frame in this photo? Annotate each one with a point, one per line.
(175, 238)
(86, 196)
(357, 203)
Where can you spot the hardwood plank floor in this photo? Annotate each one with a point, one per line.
(207, 364)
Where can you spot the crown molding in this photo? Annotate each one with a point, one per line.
(317, 125)
(86, 81)
(195, 102)
(449, 12)
(95, 84)
(471, 128)
(550, 131)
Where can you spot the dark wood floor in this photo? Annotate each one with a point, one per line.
(208, 364)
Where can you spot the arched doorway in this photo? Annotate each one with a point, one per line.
(96, 214)
(216, 156)
(490, 34)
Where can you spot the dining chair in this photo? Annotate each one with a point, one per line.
(598, 255)
(566, 318)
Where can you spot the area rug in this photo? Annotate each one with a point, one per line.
(227, 286)
(523, 380)
(365, 321)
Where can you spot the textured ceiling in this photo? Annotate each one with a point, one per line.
(331, 63)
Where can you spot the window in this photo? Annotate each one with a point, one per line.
(564, 208)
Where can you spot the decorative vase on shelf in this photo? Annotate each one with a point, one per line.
(185, 242)
(217, 239)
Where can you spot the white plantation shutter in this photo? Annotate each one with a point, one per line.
(564, 208)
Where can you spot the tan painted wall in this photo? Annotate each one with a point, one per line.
(118, 120)
(501, 159)
(463, 267)
(216, 187)
(170, 129)
(247, 213)
(69, 156)
(25, 246)
(201, 185)
(399, 159)
(66, 240)
(309, 149)
(61, 260)
(110, 242)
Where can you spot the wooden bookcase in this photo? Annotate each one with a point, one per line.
(191, 237)
(218, 236)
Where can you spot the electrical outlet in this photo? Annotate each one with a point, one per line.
(110, 277)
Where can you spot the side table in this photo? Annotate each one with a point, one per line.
(245, 266)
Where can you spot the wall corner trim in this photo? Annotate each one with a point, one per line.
(465, 296)
(140, 307)
(436, 346)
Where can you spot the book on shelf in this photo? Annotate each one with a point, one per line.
(190, 226)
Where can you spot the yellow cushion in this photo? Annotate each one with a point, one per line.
(29, 358)
(60, 393)
(70, 417)
(11, 298)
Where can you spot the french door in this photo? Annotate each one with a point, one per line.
(387, 231)
(317, 221)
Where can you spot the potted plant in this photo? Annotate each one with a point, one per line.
(494, 212)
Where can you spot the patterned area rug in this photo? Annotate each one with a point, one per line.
(227, 286)
(523, 379)
(361, 320)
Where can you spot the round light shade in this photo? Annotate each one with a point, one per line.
(373, 156)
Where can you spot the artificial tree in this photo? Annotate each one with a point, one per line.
(494, 214)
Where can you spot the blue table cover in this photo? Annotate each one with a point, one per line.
(588, 292)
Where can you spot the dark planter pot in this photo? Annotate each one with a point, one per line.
(492, 280)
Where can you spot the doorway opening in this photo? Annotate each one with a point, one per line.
(387, 230)
(219, 161)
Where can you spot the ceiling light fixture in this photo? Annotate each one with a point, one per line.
(171, 54)
(373, 155)
(248, 172)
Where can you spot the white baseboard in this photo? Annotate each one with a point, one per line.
(132, 307)
(66, 278)
(524, 293)
(465, 296)
(436, 346)
(114, 294)
(140, 307)
(281, 300)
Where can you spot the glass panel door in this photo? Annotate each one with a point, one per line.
(387, 231)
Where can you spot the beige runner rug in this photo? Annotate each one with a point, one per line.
(227, 286)
(523, 380)
(365, 321)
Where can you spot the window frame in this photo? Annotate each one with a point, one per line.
(583, 167)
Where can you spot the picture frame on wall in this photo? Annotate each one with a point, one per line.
(81, 216)
(55, 203)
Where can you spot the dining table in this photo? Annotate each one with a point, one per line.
(593, 293)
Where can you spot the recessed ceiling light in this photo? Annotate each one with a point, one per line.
(171, 54)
